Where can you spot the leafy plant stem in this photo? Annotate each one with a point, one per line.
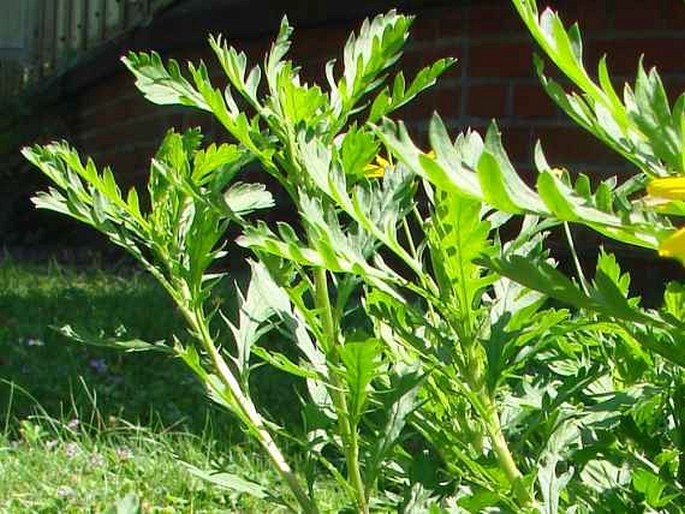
(199, 324)
(576, 261)
(348, 431)
(503, 453)
(410, 239)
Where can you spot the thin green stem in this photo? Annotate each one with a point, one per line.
(348, 432)
(486, 406)
(410, 239)
(247, 410)
(576, 261)
(504, 457)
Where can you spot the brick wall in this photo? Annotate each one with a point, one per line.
(493, 78)
(100, 111)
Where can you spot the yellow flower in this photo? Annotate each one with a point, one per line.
(674, 246)
(670, 188)
(376, 169)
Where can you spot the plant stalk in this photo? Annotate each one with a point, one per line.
(504, 456)
(348, 432)
(250, 415)
(576, 260)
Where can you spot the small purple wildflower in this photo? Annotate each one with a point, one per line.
(124, 453)
(71, 449)
(97, 460)
(98, 365)
(34, 342)
(73, 424)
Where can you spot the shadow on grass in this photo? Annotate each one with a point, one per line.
(69, 379)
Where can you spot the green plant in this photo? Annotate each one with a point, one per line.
(192, 205)
(435, 373)
(644, 129)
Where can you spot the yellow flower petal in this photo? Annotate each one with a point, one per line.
(382, 162)
(377, 169)
(373, 171)
(674, 246)
(671, 188)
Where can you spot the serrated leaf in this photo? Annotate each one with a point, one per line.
(118, 342)
(360, 361)
(280, 361)
(162, 85)
(228, 481)
(243, 198)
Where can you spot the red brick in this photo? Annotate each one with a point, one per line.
(591, 15)
(452, 22)
(445, 101)
(106, 137)
(501, 59)
(195, 54)
(425, 26)
(257, 48)
(121, 110)
(638, 15)
(623, 55)
(518, 142)
(487, 101)
(108, 89)
(498, 18)
(568, 145)
(325, 42)
(674, 14)
(413, 61)
(531, 101)
(675, 86)
(194, 118)
(131, 166)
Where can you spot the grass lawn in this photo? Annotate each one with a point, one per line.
(65, 467)
(83, 427)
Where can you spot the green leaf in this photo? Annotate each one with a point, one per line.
(457, 235)
(387, 102)
(501, 185)
(280, 361)
(118, 341)
(399, 402)
(652, 114)
(161, 85)
(376, 46)
(552, 483)
(674, 300)
(605, 297)
(242, 198)
(218, 163)
(641, 128)
(298, 103)
(359, 147)
(229, 481)
(360, 360)
(652, 487)
(254, 309)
